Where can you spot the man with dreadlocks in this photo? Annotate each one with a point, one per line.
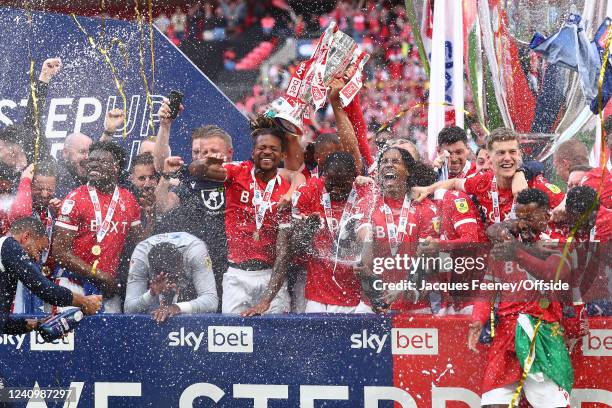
(253, 190)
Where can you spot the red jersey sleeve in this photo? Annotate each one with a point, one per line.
(234, 169)
(463, 214)
(22, 205)
(554, 193)
(477, 183)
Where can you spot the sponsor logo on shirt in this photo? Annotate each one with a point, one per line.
(461, 205)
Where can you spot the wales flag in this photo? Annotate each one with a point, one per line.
(550, 355)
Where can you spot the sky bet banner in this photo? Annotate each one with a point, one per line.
(84, 90)
(278, 361)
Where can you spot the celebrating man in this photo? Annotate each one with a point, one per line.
(252, 192)
(494, 189)
(550, 376)
(94, 222)
(25, 243)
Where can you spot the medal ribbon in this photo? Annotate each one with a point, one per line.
(495, 200)
(103, 226)
(348, 209)
(397, 234)
(261, 204)
(593, 233)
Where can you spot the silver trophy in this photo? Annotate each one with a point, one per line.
(308, 86)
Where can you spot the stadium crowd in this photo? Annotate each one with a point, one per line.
(394, 78)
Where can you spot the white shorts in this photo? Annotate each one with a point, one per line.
(316, 307)
(540, 394)
(244, 289)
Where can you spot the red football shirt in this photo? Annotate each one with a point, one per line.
(77, 214)
(422, 222)
(460, 218)
(329, 281)
(594, 180)
(479, 186)
(240, 215)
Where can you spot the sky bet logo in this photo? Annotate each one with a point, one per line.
(403, 341)
(37, 343)
(221, 339)
(597, 343)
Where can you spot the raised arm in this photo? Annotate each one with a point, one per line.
(22, 206)
(161, 151)
(294, 155)
(346, 133)
(35, 109)
(114, 120)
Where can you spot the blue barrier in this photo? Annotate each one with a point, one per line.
(162, 363)
(84, 90)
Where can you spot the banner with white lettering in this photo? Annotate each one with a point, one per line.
(277, 361)
(106, 69)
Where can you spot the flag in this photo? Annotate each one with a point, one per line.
(427, 26)
(550, 354)
(571, 49)
(446, 80)
(473, 56)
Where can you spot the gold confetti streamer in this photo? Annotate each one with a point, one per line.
(143, 73)
(151, 45)
(104, 52)
(33, 84)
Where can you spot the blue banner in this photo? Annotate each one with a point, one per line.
(86, 88)
(305, 361)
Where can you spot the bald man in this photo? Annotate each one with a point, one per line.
(569, 154)
(71, 169)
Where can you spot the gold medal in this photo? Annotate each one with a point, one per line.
(256, 235)
(544, 303)
(96, 250)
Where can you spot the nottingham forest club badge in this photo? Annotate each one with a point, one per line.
(461, 205)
